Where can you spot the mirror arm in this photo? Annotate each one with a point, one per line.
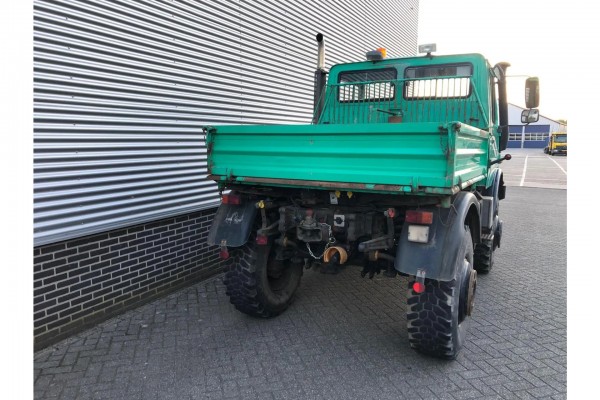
(506, 157)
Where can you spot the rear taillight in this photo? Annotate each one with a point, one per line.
(234, 199)
(419, 217)
(262, 240)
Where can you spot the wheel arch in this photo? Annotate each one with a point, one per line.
(496, 188)
(473, 221)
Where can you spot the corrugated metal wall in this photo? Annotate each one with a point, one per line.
(122, 89)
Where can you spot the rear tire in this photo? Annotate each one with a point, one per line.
(438, 318)
(259, 285)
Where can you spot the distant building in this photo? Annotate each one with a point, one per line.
(533, 135)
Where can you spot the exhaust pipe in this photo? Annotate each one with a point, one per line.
(321, 51)
(320, 79)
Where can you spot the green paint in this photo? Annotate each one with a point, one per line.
(440, 142)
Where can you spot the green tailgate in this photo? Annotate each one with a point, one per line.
(423, 157)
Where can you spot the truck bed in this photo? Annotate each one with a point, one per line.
(415, 158)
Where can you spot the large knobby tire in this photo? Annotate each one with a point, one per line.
(438, 318)
(484, 256)
(257, 284)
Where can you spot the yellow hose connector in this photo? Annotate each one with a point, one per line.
(330, 252)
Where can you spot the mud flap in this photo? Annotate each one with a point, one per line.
(436, 258)
(232, 223)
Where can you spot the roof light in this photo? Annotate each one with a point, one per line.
(376, 55)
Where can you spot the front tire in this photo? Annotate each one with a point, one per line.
(484, 256)
(259, 285)
(438, 318)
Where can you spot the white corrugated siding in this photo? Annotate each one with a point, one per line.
(122, 89)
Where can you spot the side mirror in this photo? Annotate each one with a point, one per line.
(532, 92)
(529, 116)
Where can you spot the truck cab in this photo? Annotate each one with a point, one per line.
(557, 144)
(412, 90)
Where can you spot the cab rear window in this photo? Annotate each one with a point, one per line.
(438, 81)
(367, 85)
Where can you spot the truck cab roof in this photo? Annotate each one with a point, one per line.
(477, 60)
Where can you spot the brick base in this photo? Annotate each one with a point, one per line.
(81, 282)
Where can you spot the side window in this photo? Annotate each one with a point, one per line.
(438, 82)
(367, 85)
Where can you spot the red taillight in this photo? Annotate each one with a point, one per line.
(262, 240)
(419, 217)
(418, 287)
(224, 254)
(234, 199)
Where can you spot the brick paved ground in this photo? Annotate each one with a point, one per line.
(343, 338)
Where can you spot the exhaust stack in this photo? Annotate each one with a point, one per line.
(500, 71)
(320, 79)
(321, 51)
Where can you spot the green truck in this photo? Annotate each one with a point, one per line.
(398, 173)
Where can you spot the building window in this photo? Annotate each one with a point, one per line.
(514, 136)
(536, 136)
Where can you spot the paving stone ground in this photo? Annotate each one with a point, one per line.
(344, 337)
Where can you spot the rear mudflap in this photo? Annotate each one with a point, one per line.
(232, 225)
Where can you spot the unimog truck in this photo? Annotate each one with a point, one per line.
(398, 173)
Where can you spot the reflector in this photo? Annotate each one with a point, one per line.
(419, 217)
(231, 199)
(418, 287)
(224, 254)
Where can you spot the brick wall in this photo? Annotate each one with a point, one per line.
(80, 282)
